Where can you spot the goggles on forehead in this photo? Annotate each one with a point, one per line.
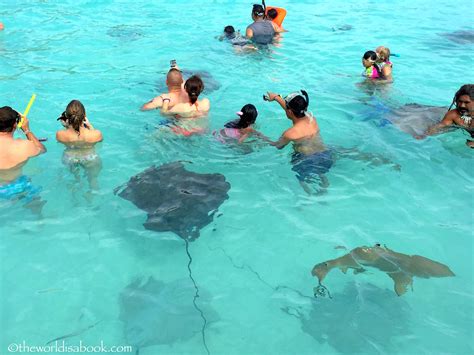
(291, 96)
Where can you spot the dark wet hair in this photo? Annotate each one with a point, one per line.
(8, 118)
(298, 104)
(229, 30)
(258, 10)
(248, 117)
(194, 86)
(467, 89)
(75, 115)
(372, 56)
(272, 13)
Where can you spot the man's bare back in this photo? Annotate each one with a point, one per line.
(14, 153)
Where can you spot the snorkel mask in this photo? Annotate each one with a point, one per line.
(288, 98)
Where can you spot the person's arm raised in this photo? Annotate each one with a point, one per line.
(36, 147)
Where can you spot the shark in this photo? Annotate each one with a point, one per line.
(401, 268)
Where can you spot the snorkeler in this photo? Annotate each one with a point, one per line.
(240, 129)
(462, 116)
(14, 153)
(79, 137)
(176, 93)
(234, 38)
(261, 31)
(311, 159)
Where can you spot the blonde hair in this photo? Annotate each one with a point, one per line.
(383, 53)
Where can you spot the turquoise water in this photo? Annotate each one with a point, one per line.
(65, 270)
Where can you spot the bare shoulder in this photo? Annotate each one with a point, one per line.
(62, 136)
(96, 135)
(205, 104)
(450, 117)
(26, 148)
(291, 134)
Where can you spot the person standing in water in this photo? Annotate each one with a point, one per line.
(311, 159)
(14, 154)
(80, 137)
(261, 31)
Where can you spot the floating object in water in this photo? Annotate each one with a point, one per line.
(401, 268)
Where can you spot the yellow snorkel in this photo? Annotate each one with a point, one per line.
(27, 109)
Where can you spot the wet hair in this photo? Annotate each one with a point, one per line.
(8, 118)
(272, 14)
(74, 115)
(229, 31)
(247, 118)
(372, 57)
(194, 86)
(258, 10)
(298, 104)
(467, 89)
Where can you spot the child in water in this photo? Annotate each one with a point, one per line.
(235, 38)
(369, 60)
(241, 128)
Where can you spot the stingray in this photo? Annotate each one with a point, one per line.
(176, 199)
(401, 268)
(342, 28)
(415, 119)
(460, 37)
(159, 313)
(210, 84)
(125, 32)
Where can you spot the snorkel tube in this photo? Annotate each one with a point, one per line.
(264, 9)
(27, 109)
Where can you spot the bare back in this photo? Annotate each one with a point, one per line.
(85, 138)
(199, 108)
(14, 153)
(305, 136)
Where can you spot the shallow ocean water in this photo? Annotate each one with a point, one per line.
(64, 271)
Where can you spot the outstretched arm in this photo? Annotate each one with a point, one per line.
(447, 121)
(271, 96)
(153, 104)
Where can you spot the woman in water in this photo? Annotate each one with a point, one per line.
(80, 137)
(261, 31)
(240, 129)
(383, 62)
